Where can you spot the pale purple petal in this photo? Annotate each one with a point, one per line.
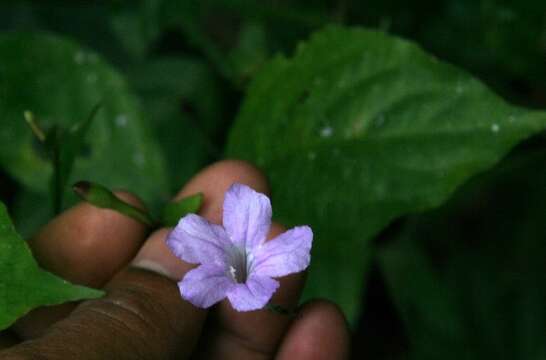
(247, 216)
(195, 240)
(254, 294)
(286, 254)
(206, 285)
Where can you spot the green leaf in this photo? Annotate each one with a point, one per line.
(185, 100)
(425, 303)
(137, 26)
(485, 251)
(251, 51)
(172, 212)
(102, 197)
(23, 285)
(28, 202)
(359, 128)
(61, 82)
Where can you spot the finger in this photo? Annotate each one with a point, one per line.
(142, 317)
(85, 245)
(144, 312)
(319, 332)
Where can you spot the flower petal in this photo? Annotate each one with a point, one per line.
(195, 240)
(206, 285)
(254, 294)
(286, 254)
(247, 216)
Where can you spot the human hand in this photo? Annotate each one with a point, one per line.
(143, 315)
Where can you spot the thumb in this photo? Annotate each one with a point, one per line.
(142, 317)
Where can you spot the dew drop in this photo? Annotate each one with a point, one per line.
(326, 132)
(495, 128)
(121, 120)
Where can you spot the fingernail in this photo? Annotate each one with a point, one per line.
(157, 257)
(153, 266)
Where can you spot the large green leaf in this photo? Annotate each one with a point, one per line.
(359, 128)
(23, 285)
(61, 82)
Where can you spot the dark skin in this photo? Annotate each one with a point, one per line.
(143, 316)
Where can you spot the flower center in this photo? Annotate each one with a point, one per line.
(238, 266)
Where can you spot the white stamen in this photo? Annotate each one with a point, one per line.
(232, 272)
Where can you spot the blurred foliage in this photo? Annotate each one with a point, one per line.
(470, 276)
(466, 279)
(61, 82)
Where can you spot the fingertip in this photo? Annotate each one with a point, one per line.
(214, 180)
(88, 245)
(320, 331)
(324, 312)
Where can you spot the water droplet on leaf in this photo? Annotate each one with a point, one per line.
(121, 120)
(326, 132)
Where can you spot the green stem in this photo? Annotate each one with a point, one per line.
(36, 129)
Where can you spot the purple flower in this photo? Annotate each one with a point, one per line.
(236, 261)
